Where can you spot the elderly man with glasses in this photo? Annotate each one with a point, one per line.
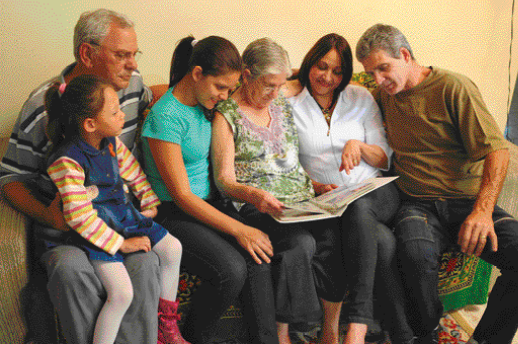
(105, 44)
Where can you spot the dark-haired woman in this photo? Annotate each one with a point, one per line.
(342, 141)
(229, 256)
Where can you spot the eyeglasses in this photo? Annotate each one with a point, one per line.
(122, 56)
(268, 89)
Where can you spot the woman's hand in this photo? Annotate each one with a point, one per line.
(136, 244)
(151, 212)
(351, 156)
(257, 243)
(323, 188)
(265, 202)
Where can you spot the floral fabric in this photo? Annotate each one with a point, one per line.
(267, 157)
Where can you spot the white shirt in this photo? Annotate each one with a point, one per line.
(356, 116)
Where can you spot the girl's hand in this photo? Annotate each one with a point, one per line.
(136, 244)
(351, 156)
(323, 188)
(151, 212)
(265, 202)
(257, 243)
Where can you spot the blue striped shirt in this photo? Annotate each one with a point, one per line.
(26, 153)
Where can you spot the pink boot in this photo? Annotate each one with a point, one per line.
(168, 331)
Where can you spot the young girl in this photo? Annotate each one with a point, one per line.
(89, 165)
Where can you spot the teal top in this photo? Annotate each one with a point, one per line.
(171, 121)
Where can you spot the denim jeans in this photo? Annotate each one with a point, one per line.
(425, 229)
(369, 251)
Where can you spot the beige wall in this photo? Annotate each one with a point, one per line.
(468, 36)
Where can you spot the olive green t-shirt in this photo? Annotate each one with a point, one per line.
(440, 131)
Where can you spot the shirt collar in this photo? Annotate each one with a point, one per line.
(92, 151)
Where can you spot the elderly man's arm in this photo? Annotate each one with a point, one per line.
(21, 199)
(478, 226)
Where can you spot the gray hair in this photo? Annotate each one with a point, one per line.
(93, 26)
(264, 56)
(382, 37)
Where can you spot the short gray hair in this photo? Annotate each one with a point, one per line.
(382, 37)
(93, 26)
(264, 56)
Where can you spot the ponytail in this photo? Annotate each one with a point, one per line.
(180, 61)
(215, 55)
(82, 98)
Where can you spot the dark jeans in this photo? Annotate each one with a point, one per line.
(310, 252)
(226, 271)
(424, 229)
(369, 250)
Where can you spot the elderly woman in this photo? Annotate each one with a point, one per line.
(342, 142)
(255, 156)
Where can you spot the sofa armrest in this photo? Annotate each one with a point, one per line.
(13, 269)
(13, 273)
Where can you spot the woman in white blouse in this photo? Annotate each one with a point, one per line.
(342, 141)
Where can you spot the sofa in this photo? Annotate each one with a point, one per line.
(463, 280)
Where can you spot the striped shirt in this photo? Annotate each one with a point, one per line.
(28, 145)
(74, 173)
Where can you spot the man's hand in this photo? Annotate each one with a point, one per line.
(136, 244)
(351, 156)
(151, 212)
(478, 226)
(475, 231)
(265, 202)
(54, 215)
(256, 242)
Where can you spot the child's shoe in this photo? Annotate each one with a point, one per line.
(168, 331)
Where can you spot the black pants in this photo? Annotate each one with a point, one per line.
(226, 271)
(312, 252)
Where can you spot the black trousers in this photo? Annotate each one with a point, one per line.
(227, 272)
(312, 252)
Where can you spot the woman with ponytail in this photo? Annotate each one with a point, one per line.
(230, 257)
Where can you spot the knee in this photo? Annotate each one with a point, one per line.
(121, 298)
(304, 244)
(169, 250)
(386, 241)
(235, 274)
(418, 256)
(360, 208)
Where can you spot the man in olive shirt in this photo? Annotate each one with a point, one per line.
(452, 161)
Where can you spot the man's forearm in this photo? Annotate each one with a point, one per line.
(493, 177)
(21, 199)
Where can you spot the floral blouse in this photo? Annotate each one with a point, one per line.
(268, 157)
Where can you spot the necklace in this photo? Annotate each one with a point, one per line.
(327, 112)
